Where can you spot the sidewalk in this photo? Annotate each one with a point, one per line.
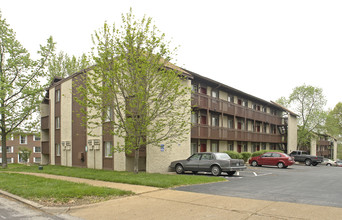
(156, 203)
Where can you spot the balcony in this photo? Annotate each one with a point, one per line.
(220, 133)
(45, 147)
(323, 143)
(203, 101)
(45, 122)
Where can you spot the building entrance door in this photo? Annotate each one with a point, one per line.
(203, 148)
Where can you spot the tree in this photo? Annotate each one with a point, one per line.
(24, 154)
(20, 88)
(308, 102)
(334, 121)
(134, 80)
(62, 65)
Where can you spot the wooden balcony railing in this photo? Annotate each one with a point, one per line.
(323, 143)
(45, 122)
(206, 102)
(220, 133)
(45, 147)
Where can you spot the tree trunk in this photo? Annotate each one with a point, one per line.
(136, 161)
(4, 150)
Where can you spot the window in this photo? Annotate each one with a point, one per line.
(214, 94)
(195, 157)
(263, 146)
(194, 148)
(214, 120)
(58, 123)
(230, 122)
(9, 149)
(206, 157)
(58, 150)
(230, 98)
(10, 160)
(194, 117)
(231, 146)
(214, 147)
(254, 148)
(245, 148)
(109, 114)
(267, 155)
(37, 160)
(58, 95)
(36, 138)
(108, 149)
(194, 88)
(23, 139)
(36, 149)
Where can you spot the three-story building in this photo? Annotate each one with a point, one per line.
(223, 118)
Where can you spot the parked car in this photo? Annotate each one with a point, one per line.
(339, 163)
(303, 156)
(208, 162)
(328, 162)
(281, 160)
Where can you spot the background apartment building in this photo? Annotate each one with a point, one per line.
(323, 145)
(223, 119)
(20, 141)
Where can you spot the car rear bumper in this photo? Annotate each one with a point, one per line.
(239, 168)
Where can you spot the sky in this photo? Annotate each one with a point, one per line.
(265, 48)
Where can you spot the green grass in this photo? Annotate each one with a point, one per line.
(55, 191)
(142, 178)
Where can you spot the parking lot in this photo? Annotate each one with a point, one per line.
(318, 185)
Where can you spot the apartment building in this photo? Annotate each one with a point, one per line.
(223, 119)
(324, 145)
(226, 119)
(16, 142)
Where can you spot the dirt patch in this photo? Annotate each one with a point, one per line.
(51, 202)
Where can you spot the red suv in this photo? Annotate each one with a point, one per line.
(281, 160)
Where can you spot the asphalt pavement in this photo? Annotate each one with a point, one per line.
(319, 185)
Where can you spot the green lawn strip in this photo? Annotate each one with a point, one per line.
(58, 191)
(142, 178)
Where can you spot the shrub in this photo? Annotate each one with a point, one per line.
(257, 153)
(234, 155)
(246, 156)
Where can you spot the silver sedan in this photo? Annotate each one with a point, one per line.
(209, 162)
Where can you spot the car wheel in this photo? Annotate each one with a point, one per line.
(329, 164)
(231, 173)
(179, 169)
(280, 165)
(194, 172)
(216, 170)
(308, 162)
(254, 163)
(314, 164)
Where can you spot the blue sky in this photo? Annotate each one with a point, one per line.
(264, 48)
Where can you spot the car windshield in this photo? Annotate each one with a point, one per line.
(222, 156)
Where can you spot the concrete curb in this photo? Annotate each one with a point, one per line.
(52, 210)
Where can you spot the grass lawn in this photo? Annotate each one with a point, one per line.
(146, 179)
(55, 192)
